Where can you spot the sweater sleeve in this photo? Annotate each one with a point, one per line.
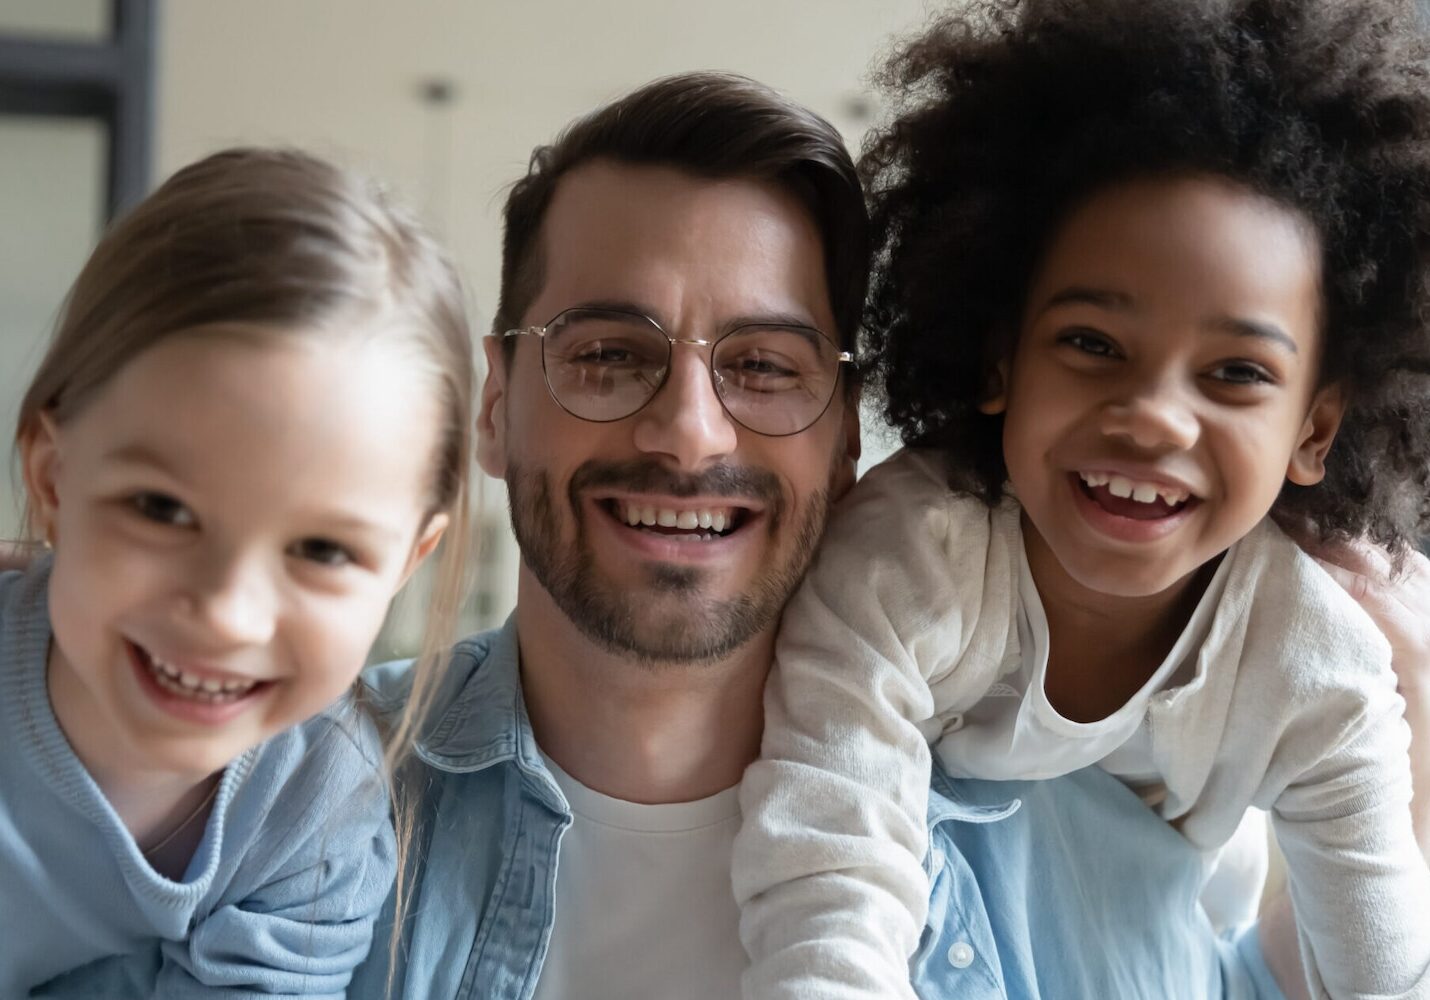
(829, 863)
(1359, 885)
(314, 875)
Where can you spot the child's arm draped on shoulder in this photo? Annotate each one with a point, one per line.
(829, 864)
(1400, 607)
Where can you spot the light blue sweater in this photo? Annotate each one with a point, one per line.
(280, 895)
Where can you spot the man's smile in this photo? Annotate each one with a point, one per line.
(694, 520)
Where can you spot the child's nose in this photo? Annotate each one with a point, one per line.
(1152, 417)
(233, 601)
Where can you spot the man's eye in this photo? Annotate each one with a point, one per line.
(761, 366)
(604, 356)
(611, 353)
(162, 509)
(321, 551)
(1089, 342)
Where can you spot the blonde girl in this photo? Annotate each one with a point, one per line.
(249, 430)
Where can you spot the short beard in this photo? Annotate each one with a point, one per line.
(702, 630)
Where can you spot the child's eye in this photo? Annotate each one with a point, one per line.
(162, 509)
(1089, 342)
(1242, 373)
(322, 551)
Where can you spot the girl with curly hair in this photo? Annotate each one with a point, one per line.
(1151, 290)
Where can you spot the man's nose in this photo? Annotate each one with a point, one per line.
(686, 420)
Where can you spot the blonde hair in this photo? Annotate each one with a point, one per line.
(282, 243)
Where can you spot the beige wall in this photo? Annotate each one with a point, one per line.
(343, 76)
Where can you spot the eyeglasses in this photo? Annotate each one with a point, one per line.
(604, 364)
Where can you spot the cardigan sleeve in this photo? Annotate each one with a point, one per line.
(299, 915)
(1359, 884)
(829, 863)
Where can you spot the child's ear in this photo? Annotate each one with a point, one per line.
(40, 465)
(426, 542)
(1308, 461)
(995, 389)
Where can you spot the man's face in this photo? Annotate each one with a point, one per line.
(699, 257)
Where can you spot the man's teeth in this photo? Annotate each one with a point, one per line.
(667, 517)
(1121, 486)
(181, 681)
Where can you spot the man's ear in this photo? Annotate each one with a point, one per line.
(40, 465)
(846, 461)
(491, 415)
(994, 398)
(427, 541)
(1308, 460)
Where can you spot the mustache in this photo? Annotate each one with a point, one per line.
(651, 476)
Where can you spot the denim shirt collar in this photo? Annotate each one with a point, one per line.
(479, 716)
(479, 719)
(947, 802)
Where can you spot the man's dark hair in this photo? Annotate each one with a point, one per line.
(714, 125)
(1008, 115)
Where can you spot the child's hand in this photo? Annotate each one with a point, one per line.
(1400, 607)
(14, 556)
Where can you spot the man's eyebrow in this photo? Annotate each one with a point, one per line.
(1254, 328)
(616, 305)
(775, 318)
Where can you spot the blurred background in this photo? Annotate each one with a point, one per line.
(101, 99)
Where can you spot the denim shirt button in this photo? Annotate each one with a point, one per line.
(960, 955)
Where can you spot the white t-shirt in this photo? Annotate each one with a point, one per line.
(643, 900)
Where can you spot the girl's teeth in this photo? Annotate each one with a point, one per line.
(191, 685)
(1121, 486)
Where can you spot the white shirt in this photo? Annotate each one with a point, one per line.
(643, 900)
(909, 619)
(1014, 731)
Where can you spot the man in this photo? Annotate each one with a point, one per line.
(669, 403)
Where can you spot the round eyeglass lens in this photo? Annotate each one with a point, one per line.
(775, 380)
(603, 365)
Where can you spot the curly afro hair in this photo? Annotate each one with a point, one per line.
(1007, 115)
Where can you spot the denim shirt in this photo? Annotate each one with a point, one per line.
(1069, 888)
